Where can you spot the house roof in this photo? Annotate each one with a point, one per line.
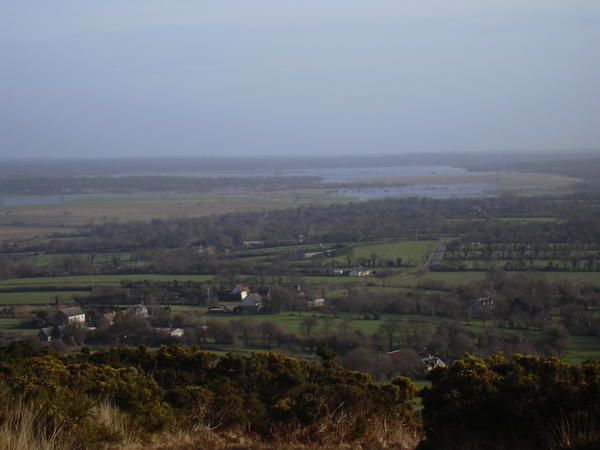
(256, 297)
(240, 288)
(46, 331)
(70, 312)
(137, 308)
(251, 300)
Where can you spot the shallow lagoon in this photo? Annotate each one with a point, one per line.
(330, 176)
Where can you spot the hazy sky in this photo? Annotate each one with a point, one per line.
(195, 77)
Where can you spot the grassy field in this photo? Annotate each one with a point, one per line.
(11, 326)
(582, 348)
(88, 280)
(37, 298)
(401, 280)
(99, 258)
(415, 252)
(579, 349)
(456, 278)
(42, 220)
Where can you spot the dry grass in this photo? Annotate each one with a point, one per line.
(578, 431)
(22, 431)
(379, 436)
(107, 416)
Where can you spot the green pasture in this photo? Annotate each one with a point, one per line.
(456, 278)
(37, 298)
(580, 348)
(11, 326)
(410, 251)
(99, 258)
(88, 280)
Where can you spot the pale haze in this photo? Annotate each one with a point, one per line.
(278, 77)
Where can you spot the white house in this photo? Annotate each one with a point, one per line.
(360, 273)
(315, 303)
(137, 310)
(71, 316)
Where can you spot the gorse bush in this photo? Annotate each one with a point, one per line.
(264, 394)
(179, 396)
(518, 403)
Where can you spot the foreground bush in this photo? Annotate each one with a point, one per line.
(519, 403)
(109, 396)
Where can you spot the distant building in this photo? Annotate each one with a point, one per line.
(338, 272)
(254, 244)
(137, 311)
(241, 291)
(97, 318)
(330, 253)
(431, 362)
(252, 304)
(360, 273)
(485, 302)
(307, 255)
(396, 355)
(71, 316)
(315, 303)
(109, 318)
(171, 332)
(48, 334)
(218, 310)
(481, 306)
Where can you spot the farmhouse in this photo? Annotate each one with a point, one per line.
(171, 332)
(241, 291)
(71, 316)
(98, 318)
(137, 311)
(252, 304)
(315, 303)
(396, 355)
(253, 244)
(360, 273)
(481, 306)
(48, 334)
(221, 309)
(431, 362)
(109, 317)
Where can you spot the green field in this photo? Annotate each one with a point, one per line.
(579, 349)
(402, 280)
(582, 348)
(456, 278)
(414, 252)
(11, 326)
(99, 258)
(88, 280)
(37, 298)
